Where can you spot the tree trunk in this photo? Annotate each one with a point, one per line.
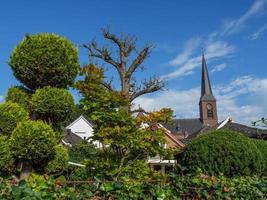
(25, 171)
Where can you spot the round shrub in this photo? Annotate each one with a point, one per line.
(60, 163)
(33, 142)
(222, 151)
(10, 115)
(19, 95)
(52, 104)
(45, 60)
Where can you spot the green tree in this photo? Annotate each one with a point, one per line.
(32, 145)
(53, 105)
(45, 60)
(19, 95)
(124, 145)
(10, 115)
(126, 64)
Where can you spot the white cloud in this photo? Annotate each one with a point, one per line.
(218, 68)
(235, 26)
(259, 32)
(214, 50)
(185, 102)
(190, 46)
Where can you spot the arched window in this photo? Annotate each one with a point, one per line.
(209, 111)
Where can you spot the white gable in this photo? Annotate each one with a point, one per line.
(82, 128)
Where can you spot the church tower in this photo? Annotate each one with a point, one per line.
(207, 103)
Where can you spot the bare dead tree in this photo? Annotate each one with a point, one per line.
(126, 68)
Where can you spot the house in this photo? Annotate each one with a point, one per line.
(79, 130)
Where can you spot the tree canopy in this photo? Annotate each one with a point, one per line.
(124, 65)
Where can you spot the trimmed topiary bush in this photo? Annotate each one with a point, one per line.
(223, 151)
(45, 60)
(60, 163)
(10, 115)
(52, 104)
(32, 145)
(19, 95)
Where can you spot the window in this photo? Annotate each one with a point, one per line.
(209, 111)
(210, 114)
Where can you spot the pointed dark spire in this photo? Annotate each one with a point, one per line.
(206, 92)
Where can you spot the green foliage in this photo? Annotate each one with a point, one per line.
(53, 105)
(181, 187)
(19, 95)
(10, 115)
(6, 160)
(262, 146)
(45, 60)
(223, 151)
(83, 151)
(220, 187)
(60, 162)
(33, 142)
(99, 103)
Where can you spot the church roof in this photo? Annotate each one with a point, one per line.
(184, 126)
(206, 91)
(246, 130)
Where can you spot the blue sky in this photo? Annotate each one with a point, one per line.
(233, 34)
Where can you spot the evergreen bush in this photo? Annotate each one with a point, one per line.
(6, 161)
(33, 143)
(10, 115)
(19, 95)
(52, 104)
(45, 60)
(222, 151)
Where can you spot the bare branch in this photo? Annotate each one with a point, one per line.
(154, 84)
(107, 34)
(102, 53)
(139, 59)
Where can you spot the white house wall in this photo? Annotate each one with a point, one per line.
(82, 128)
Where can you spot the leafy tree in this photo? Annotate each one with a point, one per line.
(223, 151)
(32, 145)
(45, 60)
(99, 103)
(60, 162)
(19, 95)
(125, 66)
(52, 104)
(10, 115)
